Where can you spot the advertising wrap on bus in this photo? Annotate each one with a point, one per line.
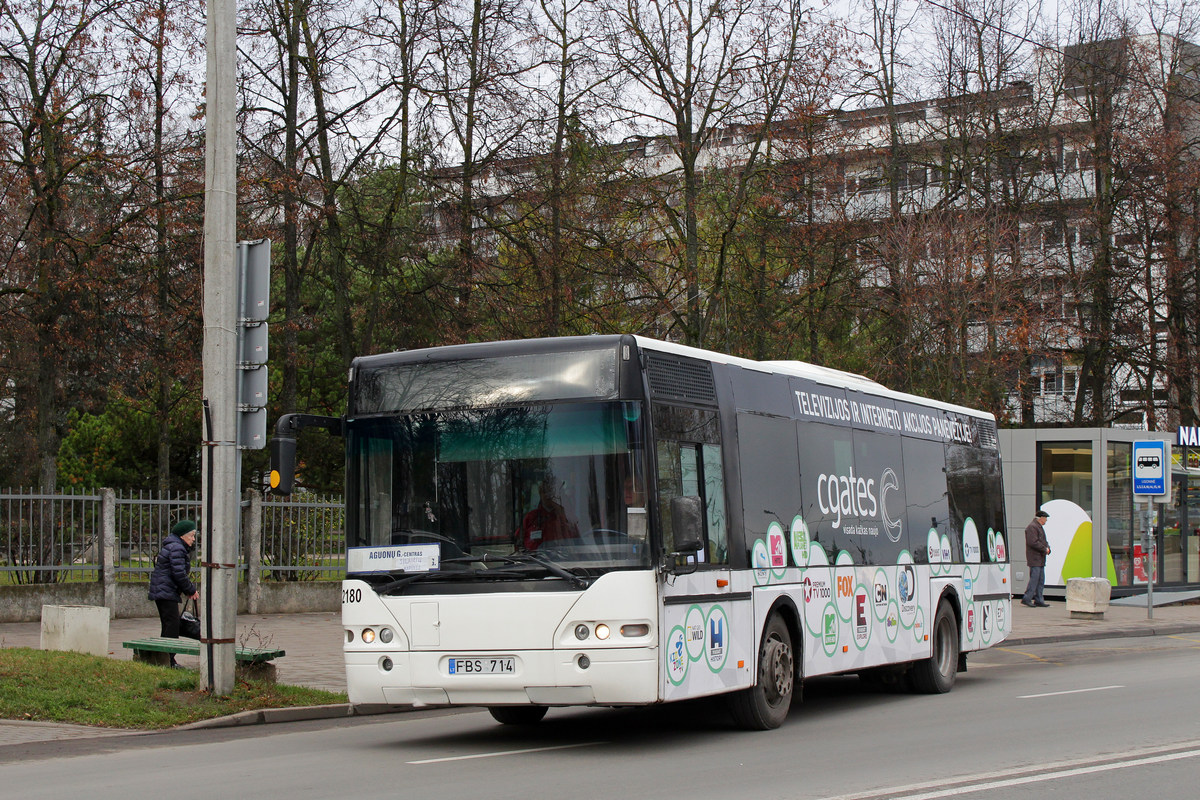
(613, 520)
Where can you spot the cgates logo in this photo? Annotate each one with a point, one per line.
(846, 495)
(850, 496)
(888, 482)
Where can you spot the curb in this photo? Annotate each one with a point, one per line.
(1165, 629)
(269, 715)
(265, 716)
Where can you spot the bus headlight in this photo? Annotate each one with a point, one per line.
(385, 635)
(581, 631)
(602, 631)
(368, 635)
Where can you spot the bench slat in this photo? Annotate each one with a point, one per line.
(161, 644)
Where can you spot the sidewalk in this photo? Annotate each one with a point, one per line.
(313, 643)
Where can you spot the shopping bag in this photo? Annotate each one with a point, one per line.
(189, 622)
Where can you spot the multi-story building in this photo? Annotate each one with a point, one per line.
(1047, 228)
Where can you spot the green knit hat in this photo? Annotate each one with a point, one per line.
(183, 526)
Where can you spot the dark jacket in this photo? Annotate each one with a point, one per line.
(170, 579)
(1036, 546)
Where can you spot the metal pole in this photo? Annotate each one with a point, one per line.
(1150, 558)
(221, 471)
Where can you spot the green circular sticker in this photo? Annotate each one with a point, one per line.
(800, 541)
(863, 613)
(891, 622)
(677, 658)
(829, 629)
(761, 562)
(716, 645)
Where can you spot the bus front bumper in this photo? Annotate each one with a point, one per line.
(625, 676)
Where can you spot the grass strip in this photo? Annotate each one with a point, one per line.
(83, 689)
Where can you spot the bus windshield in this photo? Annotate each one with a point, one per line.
(563, 482)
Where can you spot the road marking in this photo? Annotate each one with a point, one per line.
(1070, 691)
(500, 753)
(1048, 772)
(1184, 638)
(1029, 655)
(1067, 773)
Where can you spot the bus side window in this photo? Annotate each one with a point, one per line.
(669, 485)
(687, 469)
(714, 503)
(689, 464)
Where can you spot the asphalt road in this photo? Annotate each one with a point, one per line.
(1114, 718)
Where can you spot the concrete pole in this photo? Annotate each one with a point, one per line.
(108, 548)
(222, 460)
(253, 546)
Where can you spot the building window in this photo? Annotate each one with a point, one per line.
(1056, 381)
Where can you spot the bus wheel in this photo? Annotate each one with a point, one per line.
(765, 705)
(935, 675)
(517, 715)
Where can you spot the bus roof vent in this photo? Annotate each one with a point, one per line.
(987, 435)
(681, 379)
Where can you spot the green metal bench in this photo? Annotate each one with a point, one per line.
(158, 650)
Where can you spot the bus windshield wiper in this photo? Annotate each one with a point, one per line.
(486, 558)
(542, 561)
(404, 580)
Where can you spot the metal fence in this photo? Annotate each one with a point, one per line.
(143, 519)
(303, 540)
(56, 538)
(49, 538)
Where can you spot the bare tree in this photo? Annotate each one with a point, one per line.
(58, 100)
(698, 72)
(481, 62)
(160, 40)
(1168, 182)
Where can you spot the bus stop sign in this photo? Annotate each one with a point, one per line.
(1151, 468)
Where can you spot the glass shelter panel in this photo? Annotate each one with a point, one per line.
(1120, 510)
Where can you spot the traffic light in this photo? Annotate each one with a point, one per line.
(254, 306)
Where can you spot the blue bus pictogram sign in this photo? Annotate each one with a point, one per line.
(1151, 468)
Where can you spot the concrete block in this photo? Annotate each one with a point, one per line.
(1087, 598)
(83, 629)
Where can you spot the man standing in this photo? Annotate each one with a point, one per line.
(1036, 550)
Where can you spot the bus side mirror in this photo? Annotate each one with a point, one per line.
(283, 464)
(283, 446)
(687, 524)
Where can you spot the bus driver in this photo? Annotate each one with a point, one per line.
(548, 521)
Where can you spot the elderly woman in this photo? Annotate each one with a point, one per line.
(169, 581)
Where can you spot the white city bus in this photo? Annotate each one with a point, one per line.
(614, 520)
